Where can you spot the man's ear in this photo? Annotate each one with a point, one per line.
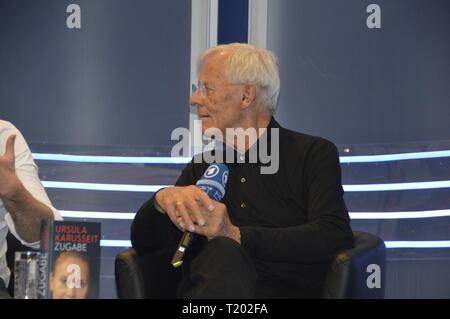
(249, 94)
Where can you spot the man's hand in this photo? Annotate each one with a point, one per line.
(191, 209)
(217, 223)
(184, 205)
(9, 182)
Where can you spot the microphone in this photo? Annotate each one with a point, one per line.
(212, 183)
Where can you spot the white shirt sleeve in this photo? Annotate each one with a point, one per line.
(27, 172)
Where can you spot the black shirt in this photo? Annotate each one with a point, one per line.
(292, 222)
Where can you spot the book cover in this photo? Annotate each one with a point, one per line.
(70, 260)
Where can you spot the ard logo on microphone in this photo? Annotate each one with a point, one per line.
(212, 171)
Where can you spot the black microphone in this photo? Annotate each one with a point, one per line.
(212, 183)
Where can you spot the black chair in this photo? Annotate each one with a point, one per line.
(129, 278)
(346, 279)
(134, 282)
(351, 272)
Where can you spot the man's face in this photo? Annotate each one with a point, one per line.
(61, 283)
(220, 106)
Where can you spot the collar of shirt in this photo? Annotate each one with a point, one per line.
(255, 154)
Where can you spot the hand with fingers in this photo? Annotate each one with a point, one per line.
(191, 209)
(184, 205)
(217, 223)
(9, 182)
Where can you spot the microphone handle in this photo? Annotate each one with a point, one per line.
(185, 242)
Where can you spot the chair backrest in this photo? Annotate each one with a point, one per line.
(359, 272)
(129, 277)
(147, 275)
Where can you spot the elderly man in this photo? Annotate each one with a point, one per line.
(23, 201)
(272, 235)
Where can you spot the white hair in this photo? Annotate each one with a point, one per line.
(248, 63)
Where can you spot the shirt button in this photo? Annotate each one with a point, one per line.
(243, 205)
(243, 180)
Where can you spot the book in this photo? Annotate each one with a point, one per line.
(69, 266)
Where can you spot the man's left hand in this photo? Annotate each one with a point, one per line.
(217, 223)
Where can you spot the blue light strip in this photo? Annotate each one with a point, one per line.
(353, 215)
(104, 187)
(418, 244)
(389, 244)
(401, 215)
(393, 157)
(115, 243)
(154, 188)
(96, 215)
(395, 186)
(184, 160)
(111, 159)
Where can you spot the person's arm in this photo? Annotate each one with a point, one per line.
(27, 213)
(152, 229)
(328, 227)
(21, 190)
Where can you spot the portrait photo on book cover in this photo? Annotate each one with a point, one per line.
(70, 276)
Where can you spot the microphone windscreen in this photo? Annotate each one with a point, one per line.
(214, 180)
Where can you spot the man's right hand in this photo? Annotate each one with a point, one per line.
(184, 205)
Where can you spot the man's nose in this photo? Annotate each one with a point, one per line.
(196, 99)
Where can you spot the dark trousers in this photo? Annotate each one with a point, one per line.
(3, 291)
(220, 269)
